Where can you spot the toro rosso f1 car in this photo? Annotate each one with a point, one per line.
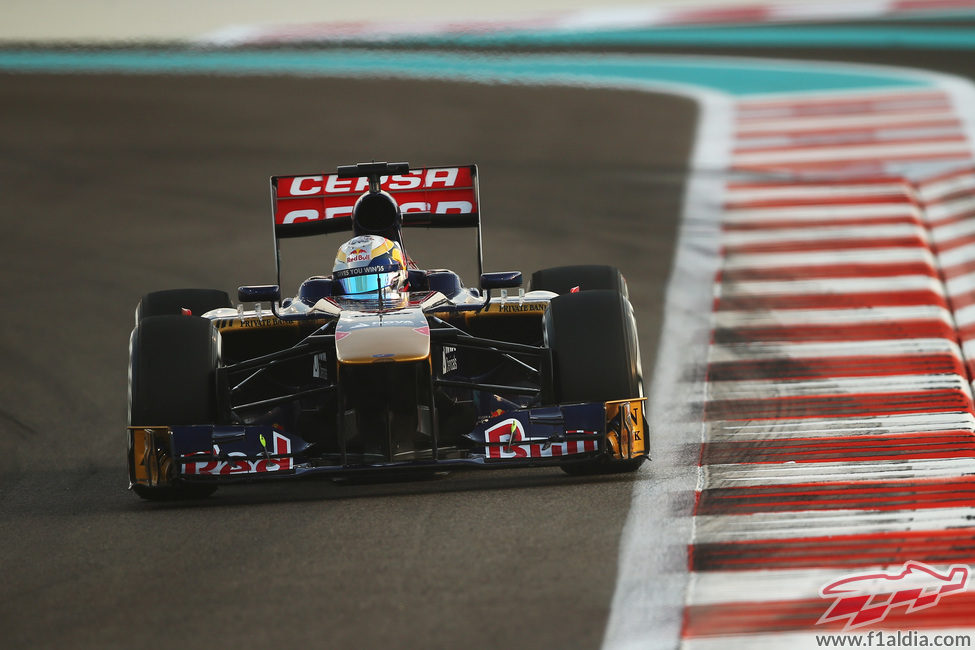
(382, 366)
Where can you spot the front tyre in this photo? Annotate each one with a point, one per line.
(172, 302)
(596, 358)
(172, 381)
(579, 277)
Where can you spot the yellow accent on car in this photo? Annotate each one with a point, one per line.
(629, 439)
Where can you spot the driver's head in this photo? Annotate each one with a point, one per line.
(368, 263)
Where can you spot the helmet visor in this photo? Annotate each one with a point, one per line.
(367, 280)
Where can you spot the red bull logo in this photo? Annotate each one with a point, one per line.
(509, 431)
(357, 255)
(867, 598)
(507, 439)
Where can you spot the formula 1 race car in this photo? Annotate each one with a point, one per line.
(382, 366)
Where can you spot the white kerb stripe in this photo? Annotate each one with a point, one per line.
(877, 425)
(956, 256)
(895, 284)
(961, 284)
(823, 523)
(880, 152)
(866, 119)
(748, 194)
(948, 232)
(953, 208)
(965, 316)
(795, 317)
(785, 260)
(931, 191)
(775, 388)
(714, 587)
(729, 352)
(737, 476)
(867, 233)
(820, 212)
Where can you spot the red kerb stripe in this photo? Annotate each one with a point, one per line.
(962, 300)
(854, 366)
(955, 218)
(874, 495)
(836, 551)
(840, 134)
(866, 182)
(831, 300)
(874, 163)
(892, 103)
(942, 444)
(817, 406)
(791, 202)
(721, 619)
(834, 222)
(905, 329)
(955, 243)
(961, 137)
(799, 246)
(852, 270)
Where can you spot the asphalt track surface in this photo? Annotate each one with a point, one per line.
(117, 185)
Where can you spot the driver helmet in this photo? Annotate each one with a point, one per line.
(366, 264)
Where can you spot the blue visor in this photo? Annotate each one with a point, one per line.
(371, 283)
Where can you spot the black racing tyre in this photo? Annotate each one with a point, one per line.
(172, 366)
(172, 301)
(596, 358)
(588, 277)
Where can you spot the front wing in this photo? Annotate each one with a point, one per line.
(170, 455)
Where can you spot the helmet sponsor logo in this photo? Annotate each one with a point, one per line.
(358, 255)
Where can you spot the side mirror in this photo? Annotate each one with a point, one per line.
(501, 280)
(259, 293)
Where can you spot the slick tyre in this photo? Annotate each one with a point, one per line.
(596, 358)
(172, 365)
(588, 277)
(173, 301)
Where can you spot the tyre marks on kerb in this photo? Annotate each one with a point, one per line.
(839, 427)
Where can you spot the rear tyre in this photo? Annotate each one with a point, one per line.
(172, 301)
(172, 365)
(596, 358)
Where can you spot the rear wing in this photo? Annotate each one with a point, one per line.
(433, 197)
